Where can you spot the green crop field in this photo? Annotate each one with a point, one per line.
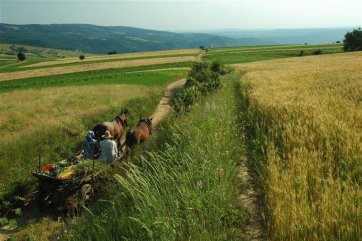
(251, 54)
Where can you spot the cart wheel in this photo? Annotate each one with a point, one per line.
(86, 193)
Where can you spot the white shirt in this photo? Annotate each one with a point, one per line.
(109, 151)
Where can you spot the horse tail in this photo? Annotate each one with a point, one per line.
(99, 130)
(131, 140)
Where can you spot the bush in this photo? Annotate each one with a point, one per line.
(218, 67)
(21, 56)
(203, 78)
(353, 40)
(301, 53)
(184, 99)
(82, 57)
(112, 52)
(198, 67)
(317, 52)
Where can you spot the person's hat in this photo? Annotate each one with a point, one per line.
(107, 135)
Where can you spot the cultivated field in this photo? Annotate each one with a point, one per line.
(251, 54)
(304, 123)
(88, 67)
(179, 52)
(296, 123)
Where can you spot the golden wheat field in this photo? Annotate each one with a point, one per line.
(310, 112)
(117, 56)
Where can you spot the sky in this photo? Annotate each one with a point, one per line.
(187, 15)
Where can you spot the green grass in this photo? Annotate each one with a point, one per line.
(184, 187)
(108, 76)
(252, 54)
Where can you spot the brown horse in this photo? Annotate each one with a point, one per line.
(115, 127)
(138, 134)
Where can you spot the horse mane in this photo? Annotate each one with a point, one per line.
(146, 121)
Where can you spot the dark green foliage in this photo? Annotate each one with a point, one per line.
(112, 52)
(218, 67)
(81, 57)
(203, 78)
(317, 52)
(21, 56)
(353, 40)
(183, 100)
(301, 53)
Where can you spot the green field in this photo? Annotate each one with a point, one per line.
(235, 55)
(130, 75)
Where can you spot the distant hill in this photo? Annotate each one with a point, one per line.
(101, 40)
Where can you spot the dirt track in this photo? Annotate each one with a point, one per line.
(164, 107)
(89, 67)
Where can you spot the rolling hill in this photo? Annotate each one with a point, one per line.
(100, 40)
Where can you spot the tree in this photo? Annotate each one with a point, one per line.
(21, 56)
(202, 47)
(81, 57)
(353, 40)
(112, 52)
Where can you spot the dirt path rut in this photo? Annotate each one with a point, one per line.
(249, 198)
(164, 107)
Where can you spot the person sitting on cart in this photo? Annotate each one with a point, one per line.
(91, 146)
(109, 150)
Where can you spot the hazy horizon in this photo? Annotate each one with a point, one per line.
(183, 16)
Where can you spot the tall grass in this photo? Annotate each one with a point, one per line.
(54, 124)
(184, 187)
(303, 118)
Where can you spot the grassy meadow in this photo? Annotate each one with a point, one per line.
(303, 118)
(233, 55)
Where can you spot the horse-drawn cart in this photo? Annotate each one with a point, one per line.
(65, 189)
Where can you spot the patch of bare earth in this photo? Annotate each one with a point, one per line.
(250, 199)
(164, 107)
(89, 67)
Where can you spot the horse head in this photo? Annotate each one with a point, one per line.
(123, 117)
